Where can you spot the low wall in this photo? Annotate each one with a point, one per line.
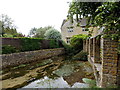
(26, 57)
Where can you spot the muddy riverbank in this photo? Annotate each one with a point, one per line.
(71, 71)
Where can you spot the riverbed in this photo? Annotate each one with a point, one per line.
(55, 72)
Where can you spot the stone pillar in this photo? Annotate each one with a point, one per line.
(84, 45)
(96, 50)
(109, 58)
(87, 45)
(91, 47)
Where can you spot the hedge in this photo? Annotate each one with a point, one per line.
(30, 44)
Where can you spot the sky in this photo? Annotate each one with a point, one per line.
(27, 14)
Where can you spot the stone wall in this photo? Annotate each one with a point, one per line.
(109, 62)
(103, 56)
(118, 65)
(26, 57)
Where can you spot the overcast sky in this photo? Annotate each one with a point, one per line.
(35, 13)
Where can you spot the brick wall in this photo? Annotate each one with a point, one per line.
(26, 57)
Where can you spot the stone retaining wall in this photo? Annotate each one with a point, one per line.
(26, 57)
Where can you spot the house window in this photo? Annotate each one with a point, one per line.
(70, 29)
(84, 29)
(68, 40)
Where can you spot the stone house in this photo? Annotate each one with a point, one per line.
(69, 29)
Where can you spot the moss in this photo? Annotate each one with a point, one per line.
(91, 82)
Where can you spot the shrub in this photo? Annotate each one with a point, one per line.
(77, 42)
(68, 49)
(81, 56)
(30, 44)
(52, 34)
(54, 43)
(7, 49)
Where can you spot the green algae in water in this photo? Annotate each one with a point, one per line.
(20, 66)
(1, 72)
(44, 62)
(68, 68)
(65, 70)
(91, 82)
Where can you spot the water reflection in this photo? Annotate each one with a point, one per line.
(47, 82)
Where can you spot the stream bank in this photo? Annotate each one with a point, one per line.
(53, 69)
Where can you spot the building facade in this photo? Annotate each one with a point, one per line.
(69, 29)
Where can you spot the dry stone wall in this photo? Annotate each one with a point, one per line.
(26, 57)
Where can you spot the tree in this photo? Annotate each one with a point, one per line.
(7, 26)
(39, 32)
(1, 33)
(33, 32)
(100, 14)
(82, 9)
(53, 34)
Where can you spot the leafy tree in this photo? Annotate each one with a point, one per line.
(53, 34)
(33, 32)
(39, 32)
(7, 22)
(1, 33)
(7, 28)
(100, 14)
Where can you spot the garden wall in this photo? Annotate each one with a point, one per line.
(30, 56)
(18, 43)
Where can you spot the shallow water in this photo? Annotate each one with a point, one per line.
(55, 72)
(68, 75)
(47, 82)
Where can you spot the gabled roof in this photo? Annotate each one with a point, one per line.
(63, 22)
(82, 22)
